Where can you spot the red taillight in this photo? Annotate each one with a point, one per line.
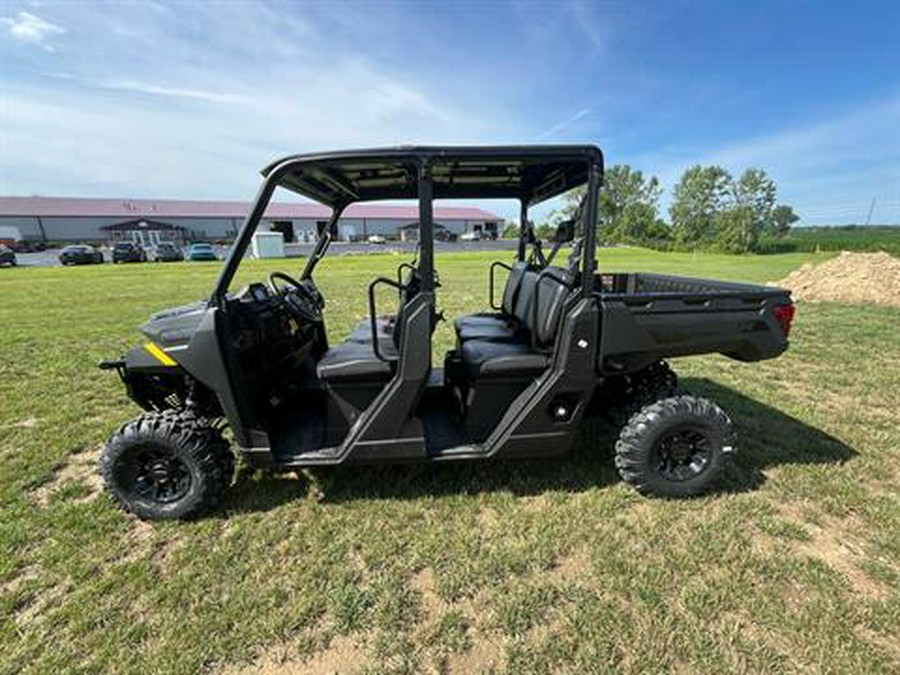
(784, 314)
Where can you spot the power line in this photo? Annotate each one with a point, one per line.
(871, 208)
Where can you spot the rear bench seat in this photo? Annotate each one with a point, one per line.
(487, 374)
(522, 349)
(492, 324)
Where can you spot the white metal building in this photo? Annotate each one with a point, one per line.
(148, 221)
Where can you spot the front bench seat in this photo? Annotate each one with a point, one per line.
(385, 325)
(351, 361)
(355, 359)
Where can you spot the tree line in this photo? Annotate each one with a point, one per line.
(710, 209)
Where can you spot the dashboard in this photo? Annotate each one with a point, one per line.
(270, 343)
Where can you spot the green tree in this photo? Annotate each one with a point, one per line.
(753, 197)
(545, 231)
(627, 207)
(735, 229)
(510, 230)
(701, 194)
(783, 217)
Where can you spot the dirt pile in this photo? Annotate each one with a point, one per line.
(851, 277)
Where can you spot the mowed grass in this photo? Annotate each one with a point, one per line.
(794, 565)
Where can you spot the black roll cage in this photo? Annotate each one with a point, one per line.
(315, 176)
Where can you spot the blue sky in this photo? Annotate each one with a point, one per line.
(189, 99)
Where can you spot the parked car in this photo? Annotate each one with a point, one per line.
(7, 256)
(376, 239)
(80, 254)
(443, 234)
(128, 251)
(168, 252)
(25, 246)
(474, 235)
(201, 251)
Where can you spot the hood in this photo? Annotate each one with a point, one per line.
(175, 326)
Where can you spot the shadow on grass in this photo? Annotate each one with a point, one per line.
(766, 438)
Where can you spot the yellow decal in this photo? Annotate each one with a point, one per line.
(160, 355)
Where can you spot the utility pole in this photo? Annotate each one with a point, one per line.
(871, 208)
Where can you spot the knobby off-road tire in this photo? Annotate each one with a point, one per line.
(675, 447)
(167, 465)
(655, 382)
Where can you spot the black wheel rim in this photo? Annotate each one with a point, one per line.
(682, 454)
(154, 473)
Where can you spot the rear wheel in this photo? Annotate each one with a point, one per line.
(167, 465)
(675, 447)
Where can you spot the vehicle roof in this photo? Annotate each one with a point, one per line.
(533, 173)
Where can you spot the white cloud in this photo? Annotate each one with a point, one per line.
(166, 115)
(30, 28)
(565, 124)
(171, 92)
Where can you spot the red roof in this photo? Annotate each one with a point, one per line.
(178, 208)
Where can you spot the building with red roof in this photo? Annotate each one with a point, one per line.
(148, 221)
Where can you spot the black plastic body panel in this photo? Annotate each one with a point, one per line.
(647, 317)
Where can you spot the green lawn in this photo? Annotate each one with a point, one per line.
(531, 567)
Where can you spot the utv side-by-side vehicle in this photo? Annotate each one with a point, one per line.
(560, 339)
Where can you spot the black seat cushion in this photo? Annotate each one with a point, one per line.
(480, 319)
(470, 327)
(363, 331)
(354, 361)
(485, 358)
(484, 326)
(499, 332)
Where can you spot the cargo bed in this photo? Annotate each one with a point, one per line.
(646, 317)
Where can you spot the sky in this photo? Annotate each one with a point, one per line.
(190, 100)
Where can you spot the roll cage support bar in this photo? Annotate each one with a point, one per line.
(322, 243)
(426, 225)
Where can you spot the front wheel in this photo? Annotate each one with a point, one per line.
(167, 465)
(675, 447)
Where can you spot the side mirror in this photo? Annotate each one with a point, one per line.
(565, 232)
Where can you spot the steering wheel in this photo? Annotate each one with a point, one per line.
(302, 299)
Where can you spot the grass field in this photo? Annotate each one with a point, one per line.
(838, 238)
(531, 567)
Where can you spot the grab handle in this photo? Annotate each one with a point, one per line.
(508, 268)
(372, 317)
